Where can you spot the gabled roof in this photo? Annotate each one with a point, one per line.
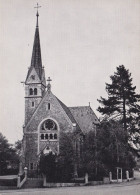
(32, 71)
(85, 117)
(65, 109)
(69, 114)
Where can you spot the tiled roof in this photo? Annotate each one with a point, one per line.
(85, 117)
(69, 114)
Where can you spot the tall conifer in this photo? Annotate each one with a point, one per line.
(122, 102)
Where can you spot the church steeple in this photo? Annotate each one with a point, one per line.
(35, 83)
(36, 60)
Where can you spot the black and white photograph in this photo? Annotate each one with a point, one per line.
(69, 97)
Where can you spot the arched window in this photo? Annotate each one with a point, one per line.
(42, 136)
(35, 91)
(51, 136)
(55, 136)
(31, 91)
(46, 136)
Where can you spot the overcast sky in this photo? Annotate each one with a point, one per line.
(82, 43)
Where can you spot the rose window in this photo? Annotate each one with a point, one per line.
(49, 125)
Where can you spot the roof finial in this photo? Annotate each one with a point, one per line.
(49, 85)
(37, 14)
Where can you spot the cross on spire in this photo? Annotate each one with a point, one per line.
(37, 14)
(49, 80)
(49, 85)
(37, 6)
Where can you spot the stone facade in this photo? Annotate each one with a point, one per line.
(34, 144)
(46, 117)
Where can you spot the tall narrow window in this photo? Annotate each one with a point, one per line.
(46, 136)
(55, 136)
(51, 136)
(31, 91)
(33, 104)
(42, 136)
(49, 106)
(35, 91)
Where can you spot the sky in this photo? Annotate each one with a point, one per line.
(82, 43)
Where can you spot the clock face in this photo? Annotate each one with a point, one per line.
(33, 77)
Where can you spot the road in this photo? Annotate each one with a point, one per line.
(114, 189)
(128, 188)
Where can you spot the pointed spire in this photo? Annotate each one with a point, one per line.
(36, 60)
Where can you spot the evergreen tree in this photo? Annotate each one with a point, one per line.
(122, 101)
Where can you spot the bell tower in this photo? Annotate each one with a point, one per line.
(35, 83)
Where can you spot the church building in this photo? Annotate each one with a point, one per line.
(45, 115)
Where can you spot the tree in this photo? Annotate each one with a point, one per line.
(47, 166)
(7, 153)
(18, 147)
(66, 157)
(88, 163)
(122, 101)
(59, 167)
(112, 148)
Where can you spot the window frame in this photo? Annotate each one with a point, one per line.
(49, 106)
(35, 91)
(31, 91)
(32, 104)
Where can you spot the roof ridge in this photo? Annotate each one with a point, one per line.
(78, 106)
